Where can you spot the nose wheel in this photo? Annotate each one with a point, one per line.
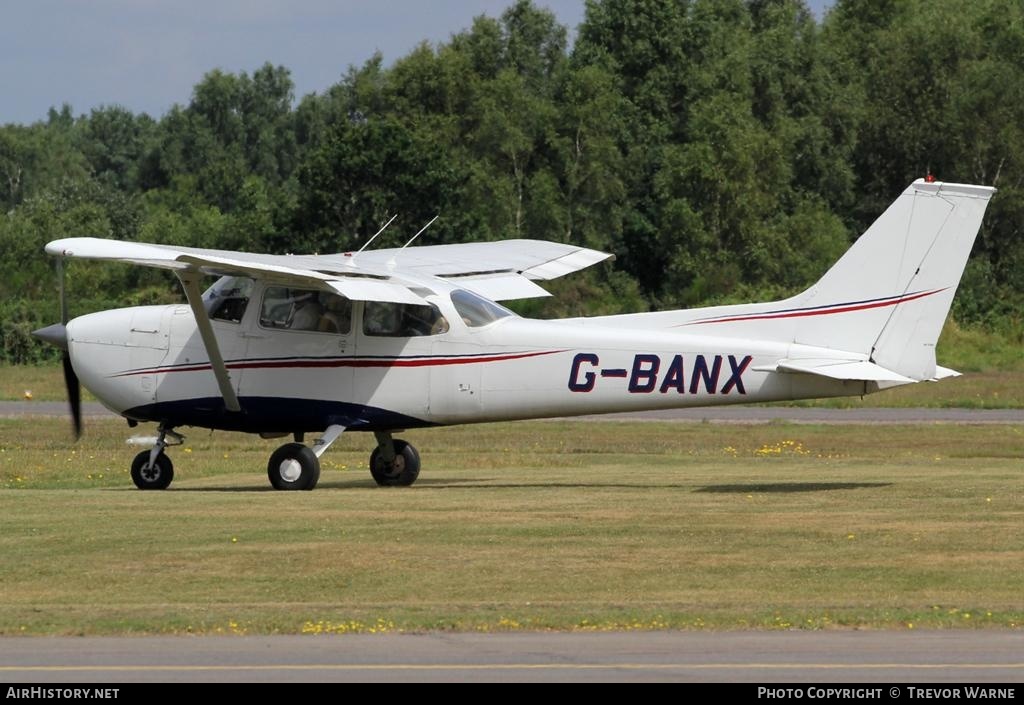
(152, 469)
(155, 475)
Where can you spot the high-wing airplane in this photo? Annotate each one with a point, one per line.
(392, 339)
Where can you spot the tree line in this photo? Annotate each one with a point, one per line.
(724, 150)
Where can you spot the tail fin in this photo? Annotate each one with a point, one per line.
(886, 298)
(900, 277)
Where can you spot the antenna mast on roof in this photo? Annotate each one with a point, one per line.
(383, 228)
(421, 230)
(391, 262)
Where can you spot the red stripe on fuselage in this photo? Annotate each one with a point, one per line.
(814, 312)
(342, 362)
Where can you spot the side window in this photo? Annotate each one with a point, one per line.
(228, 298)
(390, 320)
(305, 309)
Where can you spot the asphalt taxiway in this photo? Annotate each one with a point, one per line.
(795, 657)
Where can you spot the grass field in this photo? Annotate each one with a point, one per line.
(542, 525)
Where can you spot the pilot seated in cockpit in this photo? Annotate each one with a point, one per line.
(305, 313)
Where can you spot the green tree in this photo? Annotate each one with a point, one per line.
(365, 172)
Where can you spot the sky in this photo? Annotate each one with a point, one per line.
(146, 55)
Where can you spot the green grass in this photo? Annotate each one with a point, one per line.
(541, 525)
(979, 350)
(974, 390)
(35, 383)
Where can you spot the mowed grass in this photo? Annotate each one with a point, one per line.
(973, 390)
(34, 383)
(540, 525)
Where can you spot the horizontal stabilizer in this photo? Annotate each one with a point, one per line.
(943, 373)
(857, 370)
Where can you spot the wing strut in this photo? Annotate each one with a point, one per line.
(190, 283)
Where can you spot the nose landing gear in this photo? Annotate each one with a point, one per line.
(152, 469)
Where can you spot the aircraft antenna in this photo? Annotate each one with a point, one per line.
(383, 228)
(421, 230)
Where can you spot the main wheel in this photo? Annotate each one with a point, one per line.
(401, 472)
(293, 466)
(152, 477)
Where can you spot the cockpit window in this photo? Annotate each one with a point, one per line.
(305, 309)
(476, 311)
(228, 298)
(392, 320)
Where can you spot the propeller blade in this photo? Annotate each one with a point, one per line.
(74, 395)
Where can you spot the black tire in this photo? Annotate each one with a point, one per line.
(402, 472)
(157, 477)
(285, 476)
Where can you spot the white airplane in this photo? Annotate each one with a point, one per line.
(405, 338)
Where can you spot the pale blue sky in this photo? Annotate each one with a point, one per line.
(148, 54)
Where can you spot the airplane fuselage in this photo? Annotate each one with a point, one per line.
(149, 364)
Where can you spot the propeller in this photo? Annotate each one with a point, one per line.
(57, 335)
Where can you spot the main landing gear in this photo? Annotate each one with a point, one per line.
(293, 466)
(393, 463)
(296, 466)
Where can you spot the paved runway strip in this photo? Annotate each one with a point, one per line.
(808, 657)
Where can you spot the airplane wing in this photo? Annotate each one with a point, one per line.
(282, 269)
(501, 270)
(497, 270)
(534, 259)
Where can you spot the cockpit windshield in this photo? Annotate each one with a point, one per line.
(228, 298)
(475, 310)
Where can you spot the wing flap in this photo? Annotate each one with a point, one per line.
(373, 290)
(500, 287)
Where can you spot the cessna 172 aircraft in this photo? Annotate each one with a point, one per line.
(393, 339)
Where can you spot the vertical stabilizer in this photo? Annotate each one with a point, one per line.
(896, 284)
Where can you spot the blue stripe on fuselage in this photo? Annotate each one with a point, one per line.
(273, 414)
